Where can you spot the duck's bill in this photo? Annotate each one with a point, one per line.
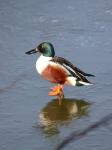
(32, 51)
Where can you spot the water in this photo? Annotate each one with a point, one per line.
(81, 31)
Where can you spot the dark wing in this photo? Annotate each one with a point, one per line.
(74, 71)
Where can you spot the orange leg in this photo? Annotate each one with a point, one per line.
(57, 91)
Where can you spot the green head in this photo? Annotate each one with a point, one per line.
(45, 48)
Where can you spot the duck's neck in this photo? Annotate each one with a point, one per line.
(43, 58)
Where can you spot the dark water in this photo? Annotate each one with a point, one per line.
(80, 31)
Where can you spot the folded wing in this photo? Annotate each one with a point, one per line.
(73, 70)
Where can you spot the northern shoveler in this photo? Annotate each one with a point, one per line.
(58, 70)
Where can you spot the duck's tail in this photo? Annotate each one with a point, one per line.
(73, 81)
(85, 83)
(89, 75)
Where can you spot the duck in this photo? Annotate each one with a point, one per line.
(58, 70)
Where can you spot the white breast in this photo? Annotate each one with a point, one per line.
(42, 63)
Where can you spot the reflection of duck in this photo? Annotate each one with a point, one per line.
(52, 115)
